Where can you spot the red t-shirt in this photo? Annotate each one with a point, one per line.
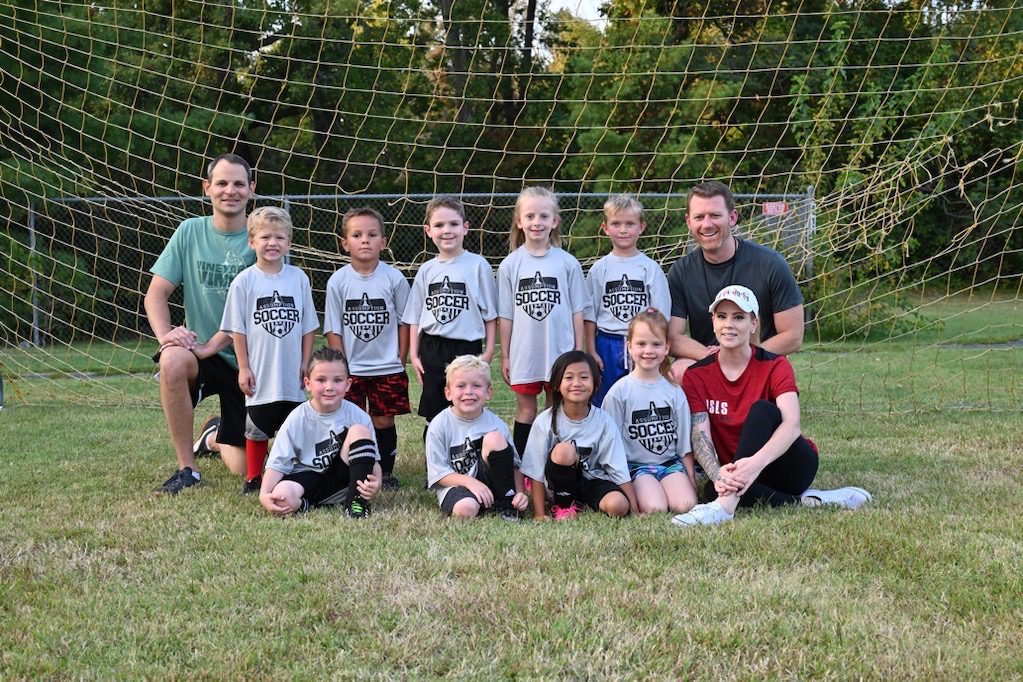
(727, 403)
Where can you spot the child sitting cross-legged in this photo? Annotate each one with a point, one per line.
(325, 452)
(470, 461)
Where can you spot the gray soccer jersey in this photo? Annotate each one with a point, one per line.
(309, 441)
(455, 446)
(273, 312)
(653, 417)
(453, 298)
(622, 287)
(365, 310)
(539, 294)
(596, 437)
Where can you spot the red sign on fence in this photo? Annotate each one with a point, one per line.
(775, 207)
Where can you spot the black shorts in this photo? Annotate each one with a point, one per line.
(329, 486)
(263, 421)
(435, 352)
(590, 490)
(459, 493)
(218, 377)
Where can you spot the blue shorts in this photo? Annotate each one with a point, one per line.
(659, 471)
(611, 349)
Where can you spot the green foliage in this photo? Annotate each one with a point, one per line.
(68, 299)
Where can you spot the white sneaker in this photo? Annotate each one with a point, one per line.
(709, 514)
(849, 497)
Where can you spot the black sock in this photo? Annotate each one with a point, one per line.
(502, 473)
(564, 482)
(362, 455)
(387, 441)
(520, 435)
(425, 429)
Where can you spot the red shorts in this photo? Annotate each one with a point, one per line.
(386, 395)
(533, 388)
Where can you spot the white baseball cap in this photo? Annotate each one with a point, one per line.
(740, 296)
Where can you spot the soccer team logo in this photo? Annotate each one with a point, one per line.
(446, 300)
(537, 295)
(329, 448)
(654, 428)
(625, 297)
(277, 314)
(465, 455)
(366, 317)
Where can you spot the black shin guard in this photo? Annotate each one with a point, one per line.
(387, 441)
(564, 482)
(361, 458)
(502, 473)
(520, 436)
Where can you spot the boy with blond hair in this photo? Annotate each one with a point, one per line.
(470, 461)
(271, 320)
(622, 284)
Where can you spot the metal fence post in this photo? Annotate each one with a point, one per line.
(36, 341)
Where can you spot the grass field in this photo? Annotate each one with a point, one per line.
(100, 579)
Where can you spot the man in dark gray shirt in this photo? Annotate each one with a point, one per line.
(722, 259)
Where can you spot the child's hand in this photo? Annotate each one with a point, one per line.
(247, 382)
(600, 360)
(369, 487)
(520, 501)
(483, 494)
(487, 356)
(275, 503)
(417, 365)
(505, 368)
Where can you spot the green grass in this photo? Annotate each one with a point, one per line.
(98, 578)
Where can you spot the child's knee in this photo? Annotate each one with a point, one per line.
(467, 508)
(614, 504)
(655, 507)
(357, 432)
(494, 442)
(564, 454)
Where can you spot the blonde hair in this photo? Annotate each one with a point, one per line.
(517, 237)
(466, 363)
(654, 319)
(622, 203)
(270, 216)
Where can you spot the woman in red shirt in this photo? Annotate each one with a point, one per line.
(746, 432)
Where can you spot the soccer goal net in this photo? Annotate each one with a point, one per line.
(876, 145)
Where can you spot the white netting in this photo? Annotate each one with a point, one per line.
(904, 118)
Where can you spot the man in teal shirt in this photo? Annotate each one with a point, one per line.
(203, 255)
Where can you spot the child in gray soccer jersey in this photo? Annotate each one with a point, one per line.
(541, 297)
(621, 284)
(365, 300)
(575, 449)
(325, 453)
(653, 414)
(470, 461)
(271, 319)
(452, 309)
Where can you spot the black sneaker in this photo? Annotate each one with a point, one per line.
(390, 482)
(358, 508)
(181, 479)
(505, 511)
(200, 448)
(253, 486)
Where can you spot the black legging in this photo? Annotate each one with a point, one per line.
(783, 480)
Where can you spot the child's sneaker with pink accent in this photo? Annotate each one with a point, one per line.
(563, 513)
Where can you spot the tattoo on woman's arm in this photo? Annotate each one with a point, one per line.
(703, 446)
